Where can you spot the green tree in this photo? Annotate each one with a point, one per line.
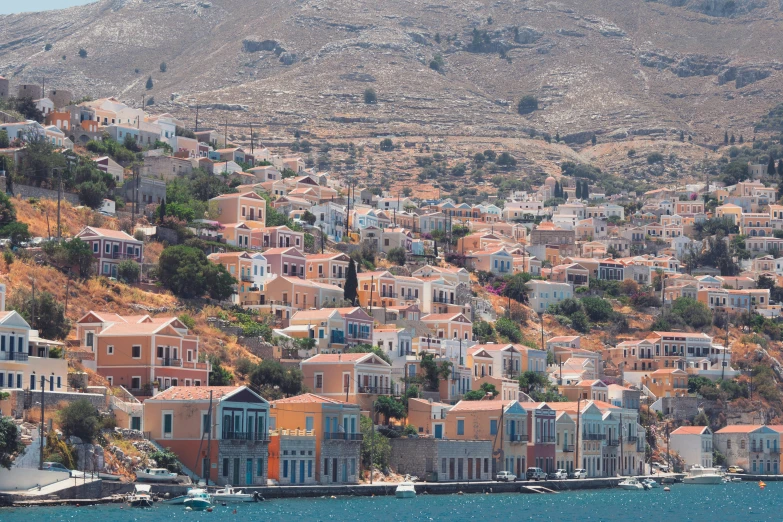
(309, 218)
(128, 270)
(433, 372)
(188, 273)
(516, 287)
(149, 83)
(477, 395)
(580, 322)
(4, 141)
(597, 309)
(166, 459)
(80, 419)
(220, 376)
(483, 331)
(725, 137)
(82, 53)
(396, 255)
(390, 408)
(578, 193)
(528, 104)
(17, 232)
(508, 329)
(369, 96)
(375, 449)
(506, 160)
(79, 254)
(771, 166)
(10, 445)
(387, 145)
(163, 67)
(49, 319)
(351, 283)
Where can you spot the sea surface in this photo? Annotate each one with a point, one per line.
(743, 501)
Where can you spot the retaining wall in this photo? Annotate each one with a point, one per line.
(28, 191)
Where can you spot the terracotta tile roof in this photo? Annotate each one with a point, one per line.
(313, 257)
(309, 398)
(740, 428)
(321, 313)
(480, 405)
(114, 234)
(336, 357)
(193, 393)
(689, 430)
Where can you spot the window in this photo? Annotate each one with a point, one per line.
(168, 420)
(493, 427)
(110, 350)
(110, 379)
(95, 247)
(90, 341)
(225, 467)
(160, 352)
(260, 468)
(204, 423)
(285, 468)
(135, 383)
(136, 352)
(319, 382)
(60, 385)
(460, 427)
(308, 423)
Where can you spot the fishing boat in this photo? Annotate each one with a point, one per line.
(141, 496)
(650, 482)
(229, 494)
(702, 475)
(197, 499)
(156, 475)
(631, 484)
(405, 489)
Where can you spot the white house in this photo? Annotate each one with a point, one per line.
(545, 293)
(694, 444)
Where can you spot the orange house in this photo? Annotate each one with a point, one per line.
(449, 326)
(357, 378)
(247, 207)
(142, 353)
(335, 426)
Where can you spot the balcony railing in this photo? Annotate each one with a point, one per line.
(172, 362)
(393, 295)
(244, 435)
(517, 437)
(337, 338)
(442, 300)
(247, 278)
(569, 448)
(546, 439)
(594, 436)
(121, 255)
(359, 335)
(329, 435)
(613, 442)
(375, 390)
(15, 356)
(631, 439)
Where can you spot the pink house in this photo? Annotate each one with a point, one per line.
(286, 261)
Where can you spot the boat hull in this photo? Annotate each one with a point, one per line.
(630, 487)
(234, 498)
(141, 502)
(704, 480)
(197, 503)
(405, 493)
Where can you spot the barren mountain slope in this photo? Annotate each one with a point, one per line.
(610, 66)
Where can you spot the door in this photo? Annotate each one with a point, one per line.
(334, 470)
(236, 471)
(345, 470)
(293, 472)
(249, 472)
(439, 431)
(301, 471)
(136, 423)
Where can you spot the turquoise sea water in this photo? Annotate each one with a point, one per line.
(729, 502)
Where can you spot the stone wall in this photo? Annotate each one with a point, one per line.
(424, 458)
(242, 450)
(52, 399)
(344, 451)
(686, 408)
(294, 449)
(27, 191)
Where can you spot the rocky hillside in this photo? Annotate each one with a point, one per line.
(614, 67)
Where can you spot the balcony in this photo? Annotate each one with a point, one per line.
(16, 356)
(359, 335)
(120, 255)
(613, 442)
(517, 437)
(375, 390)
(392, 295)
(568, 448)
(246, 278)
(172, 362)
(254, 436)
(442, 300)
(342, 436)
(337, 337)
(594, 436)
(631, 439)
(545, 439)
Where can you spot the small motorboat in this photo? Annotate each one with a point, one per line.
(702, 475)
(198, 499)
(141, 496)
(405, 489)
(650, 482)
(229, 494)
(156, 475)
(631, 484)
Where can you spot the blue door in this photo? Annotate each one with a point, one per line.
(439, 431)
(249, 472)
(345, 470)
(293, 472)
(301, 471)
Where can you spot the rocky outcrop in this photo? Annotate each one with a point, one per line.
(742, 76)
(577, 138)
(528, 35)
(254, 45)
(569, 32)
(699, 65)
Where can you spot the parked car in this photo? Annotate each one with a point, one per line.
(736, 469)
(558, 474)
(535, 474)
(505, 476)
(578, 473)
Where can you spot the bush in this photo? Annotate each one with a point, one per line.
(397, 256)
(654, 157)
(598, 310)
(508, 329)
(527, 105)
(163, 67)
(82, 53)
(166, 459)
(149, 83)
(369, 96)
(128, 270)
(80, 419)
(386, 145)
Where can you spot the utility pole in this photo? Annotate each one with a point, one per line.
(41, 441)
(225, 137)
(209, 440)
(59, 197)
(576, 441)
(196, 118)
(622, 456)
(32, 319)
(372, 441)
(251, 139)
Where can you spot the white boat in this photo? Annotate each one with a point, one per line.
(631, 484)
(229, 494)
(650, 482)
(405, 489)
(141, 496)
(156, 475)
(197, 499)
(701, 475)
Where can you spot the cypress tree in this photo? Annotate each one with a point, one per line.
(771, 167)
(578, 189)
(732, 140)
(742, 140)
(351, 283)
(162, 209)
(780, 167)
(585, 190)
(149, 83)
(725, 137)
